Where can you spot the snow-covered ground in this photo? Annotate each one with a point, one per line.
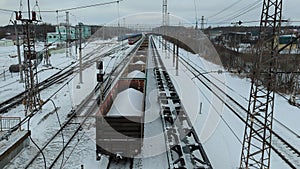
(71, 93)
(219, 129)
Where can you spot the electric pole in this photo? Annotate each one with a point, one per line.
(19, 51)
(80, 53)
(165, 13)
(46, 53)
(68, 35)
(32, 100)
(256, 149)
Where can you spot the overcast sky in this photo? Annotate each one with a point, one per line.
(216, 12)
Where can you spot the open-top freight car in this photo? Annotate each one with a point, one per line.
(120, 121)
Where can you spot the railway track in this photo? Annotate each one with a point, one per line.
(71, 129)
(125, 163)
(286, 151)
(58, 77)
(184, 149)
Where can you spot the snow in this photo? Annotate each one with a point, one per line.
(136, 74)
(6, 144)
(220, 131)
(154, 148)
(127, 103)
(139, 63)
(45, 122)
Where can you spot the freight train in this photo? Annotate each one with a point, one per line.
(120, 120)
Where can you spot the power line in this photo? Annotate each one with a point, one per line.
(225, 9)
(240, 12)
(65, 9)
(82, 7)
(244, 12)
(6, 10)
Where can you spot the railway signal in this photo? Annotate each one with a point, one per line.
(100, 75)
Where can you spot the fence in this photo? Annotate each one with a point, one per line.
(7, 123)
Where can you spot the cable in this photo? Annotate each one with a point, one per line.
(83, 7)
(78, 141)
(6, 10)
(44, 158)
(196, 13)
(62, 134)
(225, 9)
(226, 123)
(281, 124)
(217, 71)
(70, 95)
(243, 13)
(240, 12)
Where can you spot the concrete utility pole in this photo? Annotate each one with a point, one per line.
(174, 52)
(165, 13)
(80, 53)
(68, 36)
(46, 52)
(19, 53)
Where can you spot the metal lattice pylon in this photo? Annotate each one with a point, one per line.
(30, 61)
(256, 150)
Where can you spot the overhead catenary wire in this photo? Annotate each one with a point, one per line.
(219, 114)
(6, 10)
(225, 9)
(57, 10)
(238, 13)
(231, 89)
(73, 149)
(64, 9)
(62, 134)
(213, 106)
(82, 7)
(245, 12)
(25, 119)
